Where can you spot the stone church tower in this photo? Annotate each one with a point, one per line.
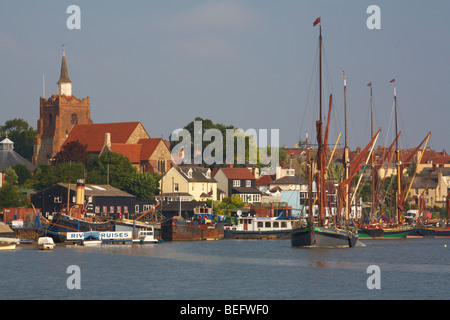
(58, 114)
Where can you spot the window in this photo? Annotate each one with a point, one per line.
(248, 183)
(193, 187)
(57, 200)
(260, 224)
(268, 224)
(284, 224)
(276, 225)
(74, 119)
(236, 183)
(176, 188)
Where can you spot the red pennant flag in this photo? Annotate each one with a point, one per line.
(393, 80)
(316, 22)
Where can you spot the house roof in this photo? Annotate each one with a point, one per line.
(10, 158)
(247, 190)
(99, 190)
(93, 135)
(421, 182)
(290, 180)
(131, 151)
(197, 174)
(238, 173)
(265, 180)
(148, 147)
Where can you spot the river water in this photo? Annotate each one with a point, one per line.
(229, 270)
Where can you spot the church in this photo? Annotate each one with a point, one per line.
(65, 118)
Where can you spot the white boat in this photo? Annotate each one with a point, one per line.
(260, 228)
(8, 243)
(91, 238)
(45, 243)
(147, 236)
(91, 242)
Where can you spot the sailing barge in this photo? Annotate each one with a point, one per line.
(318, 233)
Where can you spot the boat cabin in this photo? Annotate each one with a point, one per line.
(261, 224)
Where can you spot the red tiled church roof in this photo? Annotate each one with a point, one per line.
(131, 151)
(93, 135)
(148, 147)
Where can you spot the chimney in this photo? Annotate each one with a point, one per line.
(80, 192)
(108, 140)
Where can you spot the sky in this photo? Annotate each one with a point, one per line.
(251, 64)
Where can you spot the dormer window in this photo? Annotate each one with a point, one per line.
(189, 173)
(208, 174)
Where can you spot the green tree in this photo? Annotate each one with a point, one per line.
(208, 124)
(66, 172)
(22, 134)
(143, 185)
(23, 174)
(10, 194)
(112, 168)
(336, 172)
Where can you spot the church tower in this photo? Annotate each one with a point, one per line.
(58, 115)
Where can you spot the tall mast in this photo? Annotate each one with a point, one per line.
(397, 152)
(320, 70)
(309, 172)
(320, 155)
(346, 153)
(372, 156)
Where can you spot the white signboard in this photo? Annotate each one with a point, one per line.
(109, 235)
(116, 235)
(74, 236)
(17, 224)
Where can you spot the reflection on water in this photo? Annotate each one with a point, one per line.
(229, 269)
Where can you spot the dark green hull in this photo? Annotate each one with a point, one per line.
(387, 233)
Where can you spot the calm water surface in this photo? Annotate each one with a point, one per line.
(229, 270)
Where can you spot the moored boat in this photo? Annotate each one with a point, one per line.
(147, 236)
(268, 228)
(45, 243)
(322, 229)
(316, 236)
(8, 243)
(91, 239)
(180, 229)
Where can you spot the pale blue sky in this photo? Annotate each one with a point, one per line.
(246, 63)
